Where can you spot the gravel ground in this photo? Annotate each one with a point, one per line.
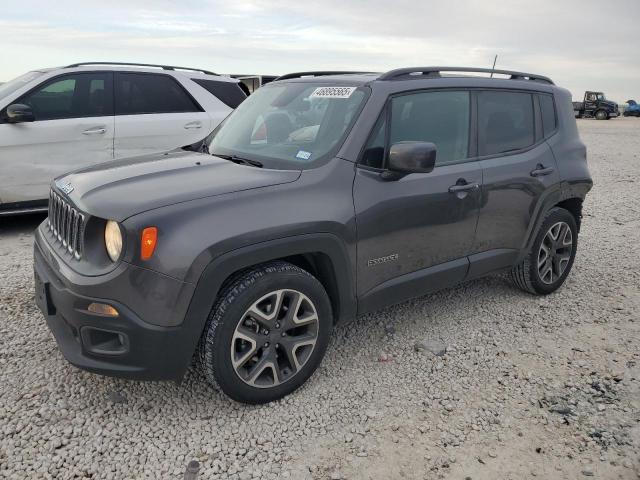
(480, 381)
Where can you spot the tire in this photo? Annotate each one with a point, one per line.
(601, 115)
(254, 347)
(532, 276)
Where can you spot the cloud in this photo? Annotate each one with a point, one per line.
(582, 44)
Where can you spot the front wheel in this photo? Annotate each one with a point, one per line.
(601, 115)
(267, 333)
(551, 256)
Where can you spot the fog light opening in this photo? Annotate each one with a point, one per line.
(102, 309)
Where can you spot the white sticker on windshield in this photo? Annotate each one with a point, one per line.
(302, 155)
(332, 92)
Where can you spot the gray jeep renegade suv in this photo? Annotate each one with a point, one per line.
(323, 196)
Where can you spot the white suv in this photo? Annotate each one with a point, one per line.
(61, 119)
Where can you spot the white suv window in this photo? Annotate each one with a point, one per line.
(141, 93)
(72, 96)
(228, 93)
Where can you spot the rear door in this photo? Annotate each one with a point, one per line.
(414, 233)
(519, 171)
(73, 128)
(154, 113)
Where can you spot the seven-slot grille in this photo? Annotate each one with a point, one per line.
(66, 223)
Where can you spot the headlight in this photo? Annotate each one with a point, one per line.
(113, 240)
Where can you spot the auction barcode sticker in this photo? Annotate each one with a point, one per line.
(332, 92)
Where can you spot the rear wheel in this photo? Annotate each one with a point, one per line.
(267, 333)
(602, 115)
(551, 256)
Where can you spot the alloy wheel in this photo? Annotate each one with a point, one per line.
(555, 252)
(274, 338)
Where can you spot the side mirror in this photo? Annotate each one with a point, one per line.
(412, 157)
(18, 113)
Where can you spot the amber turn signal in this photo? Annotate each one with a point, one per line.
(102, 309)
(148, 241)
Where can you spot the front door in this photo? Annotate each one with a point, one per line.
(414, 233)
(73, 128)
(590, 101)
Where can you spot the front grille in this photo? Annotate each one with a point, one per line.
(66, 224)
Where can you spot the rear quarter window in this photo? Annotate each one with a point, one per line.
(548, 110)
(228, 93)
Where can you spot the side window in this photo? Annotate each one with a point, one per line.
(72, 96)
(548, 110)
(505, 122)
(228, 93)
(440, 117)
(373, 154)
(140, 93)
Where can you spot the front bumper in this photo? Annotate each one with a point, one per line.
(614, 114)
(123, 346)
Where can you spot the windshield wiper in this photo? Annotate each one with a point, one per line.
(240, 160)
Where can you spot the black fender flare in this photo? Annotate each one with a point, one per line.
(225, 265)
(563, 191)
(550, 198)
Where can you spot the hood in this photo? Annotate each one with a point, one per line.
(119, 189)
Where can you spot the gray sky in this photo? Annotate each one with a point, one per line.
(581, 44)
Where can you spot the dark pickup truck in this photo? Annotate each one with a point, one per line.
(596, 105)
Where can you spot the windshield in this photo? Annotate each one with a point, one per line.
(289, 125)
(8, 88)
(601, 96)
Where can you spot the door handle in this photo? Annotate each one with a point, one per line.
(193, 125)
(541, 171)
(463, 187)
(95, 131)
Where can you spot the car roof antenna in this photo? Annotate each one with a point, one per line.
(495, 59)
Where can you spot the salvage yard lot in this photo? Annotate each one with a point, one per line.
(528, 386)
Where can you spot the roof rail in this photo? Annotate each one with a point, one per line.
(315, 74)
(127, 64)
(435, 72)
